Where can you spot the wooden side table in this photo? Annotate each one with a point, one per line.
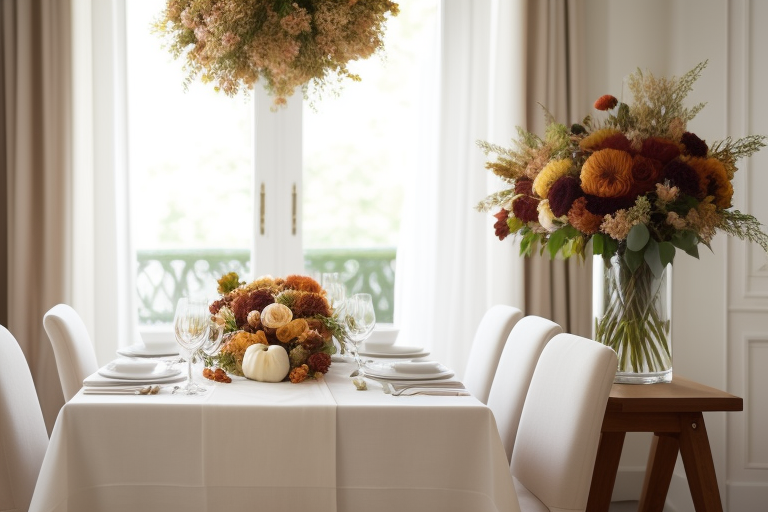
(673, 412)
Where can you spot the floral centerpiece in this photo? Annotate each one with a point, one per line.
(287, 43)
(292, 313)
(638, 186)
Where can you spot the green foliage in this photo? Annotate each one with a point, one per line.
(562, 240)
(638, 237)
(529, 241)
(230, 323)
(229, 282)
(687, 241)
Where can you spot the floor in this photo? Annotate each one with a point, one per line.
(628, 506)
(623, 506)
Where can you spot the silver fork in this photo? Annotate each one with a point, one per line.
(431, 391)
(143, 390)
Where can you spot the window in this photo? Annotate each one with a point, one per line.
(222, 184)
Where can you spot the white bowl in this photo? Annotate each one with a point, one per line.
(383, 335)
(158, 340)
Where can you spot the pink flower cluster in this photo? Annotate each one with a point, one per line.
(288, 44)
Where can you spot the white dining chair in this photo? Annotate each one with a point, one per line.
(72, 347)
(513, 376)
(23, 437)
(487, 345)
(556, 446)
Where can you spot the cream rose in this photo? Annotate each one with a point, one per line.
(276, 315)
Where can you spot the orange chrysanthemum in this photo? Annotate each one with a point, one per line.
(606, 102)
(607, 173)
(302, 283)
(310, 304)
(299, 374)
(713, 180)
(582, 219)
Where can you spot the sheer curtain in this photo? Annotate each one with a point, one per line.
(450, 267)
(103, 290)
(556, 289)
(498, 60)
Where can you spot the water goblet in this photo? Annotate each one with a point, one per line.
(193, 327)
(359, 319)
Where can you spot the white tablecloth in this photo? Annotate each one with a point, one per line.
(319, 445)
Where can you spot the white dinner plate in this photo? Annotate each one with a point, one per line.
(159, 371)
(393, 352)
(97, 380)
(387, 372)
(140, 350)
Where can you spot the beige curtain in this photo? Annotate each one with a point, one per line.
(36, 167)
(558, 290)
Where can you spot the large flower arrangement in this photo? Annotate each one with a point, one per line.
(638, 186)
(287, 43)
(635, 182)
(292, 312)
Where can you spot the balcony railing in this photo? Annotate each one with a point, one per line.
(164, 276)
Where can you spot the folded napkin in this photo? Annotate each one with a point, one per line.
(419, 367)
(133, 366)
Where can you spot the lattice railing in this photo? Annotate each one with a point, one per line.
(164, 276)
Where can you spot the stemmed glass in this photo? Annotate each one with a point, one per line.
(359, 319)
(193, 326)
(334, 289)
(337, 294)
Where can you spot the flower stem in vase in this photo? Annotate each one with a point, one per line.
(635, 322)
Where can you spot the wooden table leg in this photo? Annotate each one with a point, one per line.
(604, 474)
(699, 466)
(658, 474)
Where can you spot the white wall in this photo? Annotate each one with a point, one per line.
(720, 302)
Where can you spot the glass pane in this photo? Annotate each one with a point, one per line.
(359, 149)
(190, 162)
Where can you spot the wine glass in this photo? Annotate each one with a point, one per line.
(334, 288)
(193, 327)
(359, 319)
(336, 293)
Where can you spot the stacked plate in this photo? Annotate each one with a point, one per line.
(384, 351)
(408, 371)
(121, 372)
(141, 350)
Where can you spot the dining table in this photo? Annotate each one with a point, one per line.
(320, 445)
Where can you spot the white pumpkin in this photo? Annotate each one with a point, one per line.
(266, 363)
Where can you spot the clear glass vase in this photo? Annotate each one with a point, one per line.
(633, 316)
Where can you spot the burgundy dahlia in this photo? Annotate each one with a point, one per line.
(682, 176)
(694, 145)
(563, 193)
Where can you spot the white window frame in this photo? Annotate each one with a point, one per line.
(277, 187)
